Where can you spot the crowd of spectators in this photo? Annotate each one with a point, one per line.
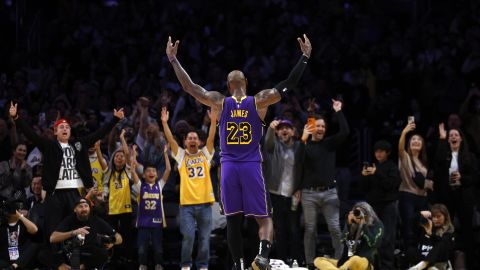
(80, 59)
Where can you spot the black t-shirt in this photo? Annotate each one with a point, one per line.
(96, 224)
(15, 235)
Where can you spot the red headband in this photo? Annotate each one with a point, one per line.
(60, 121)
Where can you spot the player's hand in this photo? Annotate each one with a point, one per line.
(337, 105)
(164, 115)
(172, 48)
(274, 124)
(442, 131)
(119, 114)
(13, 109)
(306, 46)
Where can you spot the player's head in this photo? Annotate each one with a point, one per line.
(150, 173)
(61, 129)
(192, 142)
(236, 80)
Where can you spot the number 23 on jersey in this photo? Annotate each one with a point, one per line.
(246, 133)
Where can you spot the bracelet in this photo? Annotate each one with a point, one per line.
(171, 58)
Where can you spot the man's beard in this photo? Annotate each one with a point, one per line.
(82, 217)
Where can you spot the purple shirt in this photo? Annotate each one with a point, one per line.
(240, 130)
(150, 208)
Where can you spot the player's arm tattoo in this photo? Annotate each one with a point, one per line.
(209, 98)
(267, 97)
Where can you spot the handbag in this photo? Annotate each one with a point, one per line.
(417, 177)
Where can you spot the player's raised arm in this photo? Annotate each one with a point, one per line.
(209, 98)
(268, 97)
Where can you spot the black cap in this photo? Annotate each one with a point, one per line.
(382, 145)
(81, 200)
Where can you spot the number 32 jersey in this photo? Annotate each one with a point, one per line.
(195, 183)
(240, 130)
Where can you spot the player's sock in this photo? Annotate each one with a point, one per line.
(264, 249)
(234, 237)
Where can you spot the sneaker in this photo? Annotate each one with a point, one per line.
(142, 267)
(158, 267)
(261, 263)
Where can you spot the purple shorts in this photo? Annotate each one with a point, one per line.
(243, 189)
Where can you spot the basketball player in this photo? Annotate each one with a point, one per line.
(243, 190)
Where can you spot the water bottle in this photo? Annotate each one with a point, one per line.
(295, 264)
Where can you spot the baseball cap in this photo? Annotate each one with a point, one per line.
(382, 145)
(285, 122)
(80, 201)
(60, 121)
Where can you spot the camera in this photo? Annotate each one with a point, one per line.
(358, 213)
(106, 239)
(423, 221)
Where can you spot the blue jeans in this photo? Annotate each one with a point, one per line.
(145, 235)
(327, 203)
(196, 216)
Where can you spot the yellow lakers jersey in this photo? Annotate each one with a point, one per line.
(119, 200)
(97, 173)
(195, 182)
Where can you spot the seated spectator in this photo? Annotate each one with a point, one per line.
(361, 238)
(435, 239)
(93, 250)
(15, 248)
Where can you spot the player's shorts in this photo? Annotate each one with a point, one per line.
(243, 189)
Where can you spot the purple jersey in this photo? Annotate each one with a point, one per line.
(241, 130)
(150, 212)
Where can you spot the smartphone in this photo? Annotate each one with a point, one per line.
(311, 121)
(411, 119)
(366, 164)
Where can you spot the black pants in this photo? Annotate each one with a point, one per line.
(458, 207)
(91, 256)
(123, 224)
(58, 205)
(387, 212)
(286, 224)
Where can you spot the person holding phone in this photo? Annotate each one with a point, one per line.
(316, 170)
(380, 182)
(415, 182)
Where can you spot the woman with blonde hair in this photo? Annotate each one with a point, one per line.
(436, 239)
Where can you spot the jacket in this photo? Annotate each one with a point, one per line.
(53, 154)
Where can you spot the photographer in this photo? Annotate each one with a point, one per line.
(435, 239)
(15, 248)
(97, 237)
(361, 238)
